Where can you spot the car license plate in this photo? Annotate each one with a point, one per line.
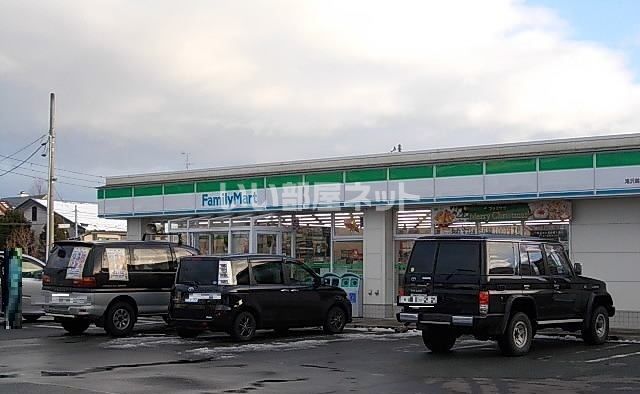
(195, 297)
(419, 299)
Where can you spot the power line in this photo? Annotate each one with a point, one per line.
(60, 182)
(58, 169)
(59, 176)
(22, 149)
(21, 163)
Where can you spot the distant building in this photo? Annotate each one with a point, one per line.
(90, 226)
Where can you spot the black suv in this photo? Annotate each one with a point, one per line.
(238, 294)
(499, 288)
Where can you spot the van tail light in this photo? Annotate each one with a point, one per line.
(85, 282)
(483, 301)
(401, 291)
(46, 279)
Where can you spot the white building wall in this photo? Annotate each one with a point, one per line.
(605, 238)
(378, 267)
(136, 227)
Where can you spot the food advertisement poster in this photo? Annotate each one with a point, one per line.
(538, 210)
(76, 263)
(117, 260)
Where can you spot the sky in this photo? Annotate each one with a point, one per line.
(138, 84)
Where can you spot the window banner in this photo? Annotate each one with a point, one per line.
(117, 259)
(537, 210)
(76, 263)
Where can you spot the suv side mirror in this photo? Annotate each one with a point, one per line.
(577, 268)
(317, 282)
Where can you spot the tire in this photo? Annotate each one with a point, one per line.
(31, 318)
(597, 328)
(244, 327)
(75, 326)
(120, 319)
(335, 320)
(438, 340)
(188, 333)
(517, 339)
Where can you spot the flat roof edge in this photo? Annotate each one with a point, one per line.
(479, 152)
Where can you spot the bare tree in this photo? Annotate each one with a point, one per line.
(38, 188)
(22, 237)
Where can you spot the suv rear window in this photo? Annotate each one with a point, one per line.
(422, 257)
(460, 258)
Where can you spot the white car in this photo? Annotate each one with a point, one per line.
(32, 269)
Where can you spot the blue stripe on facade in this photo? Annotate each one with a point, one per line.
(617, 191)
(460, 198)
(568, 194)
(511, 196)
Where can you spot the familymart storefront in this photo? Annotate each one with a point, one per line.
(358, 217)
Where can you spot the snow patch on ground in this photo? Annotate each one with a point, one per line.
(146, 342)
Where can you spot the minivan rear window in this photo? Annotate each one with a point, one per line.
(61, 255)
(198, 271)
(459, 258)
(422, 257)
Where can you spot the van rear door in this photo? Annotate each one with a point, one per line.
(68, 265)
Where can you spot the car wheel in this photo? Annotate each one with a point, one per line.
(597, 329)
(75, 326)
(335, 320)
(438, 340)
(31, 318)
(188, 332)
(120, 319)
(517, 339)
(244, 327)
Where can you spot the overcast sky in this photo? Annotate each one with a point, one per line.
(238, 82)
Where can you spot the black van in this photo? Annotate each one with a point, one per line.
(239, 294)
(502, 288)
(109, 283)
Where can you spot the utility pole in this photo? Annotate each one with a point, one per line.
(76, 220)
(51, 179)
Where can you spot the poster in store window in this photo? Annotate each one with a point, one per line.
(117, 260)
(76, 263)
(537, 210)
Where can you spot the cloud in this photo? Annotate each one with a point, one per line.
(236, 82)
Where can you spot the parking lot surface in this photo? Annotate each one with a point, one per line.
(41, 359)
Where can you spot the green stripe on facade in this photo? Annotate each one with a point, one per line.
(178, 188)
(324, 177)
(147, 191)
(570, 162)
(462, 169)
(417, 172)
(370, 175)
(618, 159)
(284, 180)
(100, 194)
(510, 166)
(118, 192)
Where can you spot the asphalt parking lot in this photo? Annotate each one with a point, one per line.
(41, 359)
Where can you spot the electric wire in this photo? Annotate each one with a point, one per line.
(44, 179)
(21, 149)
(21, 163)
(57, 169)
(58, 176)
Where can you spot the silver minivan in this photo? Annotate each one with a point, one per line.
(32, 269)
(109, 283)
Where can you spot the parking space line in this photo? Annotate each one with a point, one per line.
(597, 360)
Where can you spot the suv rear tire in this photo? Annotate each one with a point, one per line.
(75, 326)
(517, 339)
(597, 329)
(244, 327)
(120, 319)
(335, 321)
(438, 340)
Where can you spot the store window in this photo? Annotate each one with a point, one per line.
(403, 252)
(348, 257)
(203, 244)
(313, 246)
(417, 222)
(267, 243)
(409, 224)
(286, 243)
(220, 243)
(240, 242)
(349, 224)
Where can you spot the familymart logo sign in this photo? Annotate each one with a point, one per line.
(229, 200)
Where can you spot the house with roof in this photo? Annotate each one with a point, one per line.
(72, 215)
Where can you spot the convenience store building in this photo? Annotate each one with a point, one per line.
(361, 214)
